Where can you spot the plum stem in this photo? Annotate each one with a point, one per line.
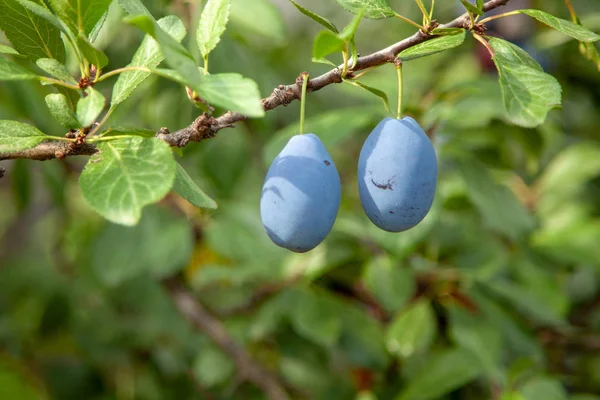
(303, 101)
(398, 64)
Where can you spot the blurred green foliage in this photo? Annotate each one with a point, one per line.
(495, 295)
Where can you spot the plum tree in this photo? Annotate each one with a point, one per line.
(301, 194)
(397, 174)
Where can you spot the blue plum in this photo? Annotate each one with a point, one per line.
(301, 195)
(397, 174)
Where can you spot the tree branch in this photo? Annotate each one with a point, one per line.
(205, 126)
(247, 368)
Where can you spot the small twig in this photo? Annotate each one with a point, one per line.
(247, 368)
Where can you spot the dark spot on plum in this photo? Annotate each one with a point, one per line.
(384, 186)
(391, 212)
(327, 163)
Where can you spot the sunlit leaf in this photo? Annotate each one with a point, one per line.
(16, 136)
(213, 21)
(375, 9)
(126, 175)
(435, 45)
(30, 34)
(529, 93)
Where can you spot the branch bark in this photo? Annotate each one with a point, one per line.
(247, 368)
(205, 126)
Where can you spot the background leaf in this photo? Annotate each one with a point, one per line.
(443, 373)
(390, 283)
(412, 331)
(160, 245)
(125, 176)
(499, 207)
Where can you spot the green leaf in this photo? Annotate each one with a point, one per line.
(379, 93)
(11, 71)
(391, 284)
(148, 55)
(374, 9)
(93, 55)
(569, 172)
(230, 91)
(213, 21)
(412, 331)
(17, 382)
(323, 61)
(233, 92)
(326, 43)
(93, 35)
(80, 15)
(187, 188)
(160, 245)
(4, 49)
(543, 389)
(30, 34)
(135, 7)
(126, 175)
(475, 334)
(90, 107)
(433, 46)
(15, 136)
(498, 206)
(444, 373)
(212, 366)
(315, 17)
(521, 299)
(471, 8)
(246, 14)
(573, 242)
(176, 56)
(528, 92)
(61, 110)
(567, 27)
(479, 4)
(362, 339)
(447, 31)
(317, 317)
(55, 69)
(350, 29)
(40, 9)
